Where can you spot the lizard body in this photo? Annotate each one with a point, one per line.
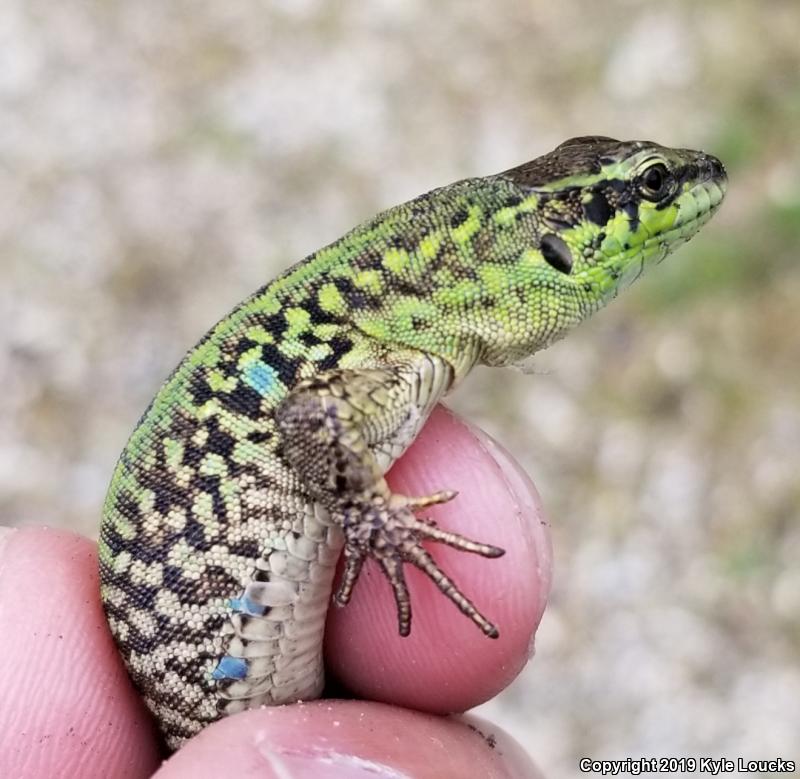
(263, 454)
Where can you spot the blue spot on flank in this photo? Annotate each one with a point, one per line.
(261, 377)
(230, 668)
(247, 606)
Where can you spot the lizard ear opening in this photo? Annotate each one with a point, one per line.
(556, 252)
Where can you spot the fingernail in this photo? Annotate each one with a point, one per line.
(326, 764)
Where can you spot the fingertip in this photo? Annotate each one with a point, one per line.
(447, 664)
(332, 739)
(69, 707)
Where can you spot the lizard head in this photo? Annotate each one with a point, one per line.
(595, 213)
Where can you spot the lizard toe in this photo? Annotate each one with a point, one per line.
(388, 531)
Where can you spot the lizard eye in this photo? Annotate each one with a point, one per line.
(654, 182)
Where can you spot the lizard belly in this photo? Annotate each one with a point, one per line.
(274, 634)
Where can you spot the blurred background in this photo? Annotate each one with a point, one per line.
(158, 162)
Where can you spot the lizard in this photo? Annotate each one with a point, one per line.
(262, 457)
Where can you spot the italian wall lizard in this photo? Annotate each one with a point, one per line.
(263, 454)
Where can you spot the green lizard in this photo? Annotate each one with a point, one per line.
(263, 454)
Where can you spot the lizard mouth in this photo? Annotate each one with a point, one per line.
(696, 207)
(702, 200)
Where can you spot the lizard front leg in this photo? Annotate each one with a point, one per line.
(341, 429)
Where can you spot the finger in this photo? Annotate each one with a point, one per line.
(447, 664)
(333, 739)
(69, 708)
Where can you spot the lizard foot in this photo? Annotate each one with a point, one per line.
(385, 528)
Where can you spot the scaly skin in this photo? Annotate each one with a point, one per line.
(264, 452)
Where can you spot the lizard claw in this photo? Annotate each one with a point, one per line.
(385, 529)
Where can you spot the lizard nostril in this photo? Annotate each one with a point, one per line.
(713, 167)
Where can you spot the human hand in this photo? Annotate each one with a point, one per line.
(69, 708)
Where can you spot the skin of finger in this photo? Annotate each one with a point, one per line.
(447, 664)
(346, 740)
(68, 707)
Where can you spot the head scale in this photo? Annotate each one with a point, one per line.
(597, 213)
(603, 203)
